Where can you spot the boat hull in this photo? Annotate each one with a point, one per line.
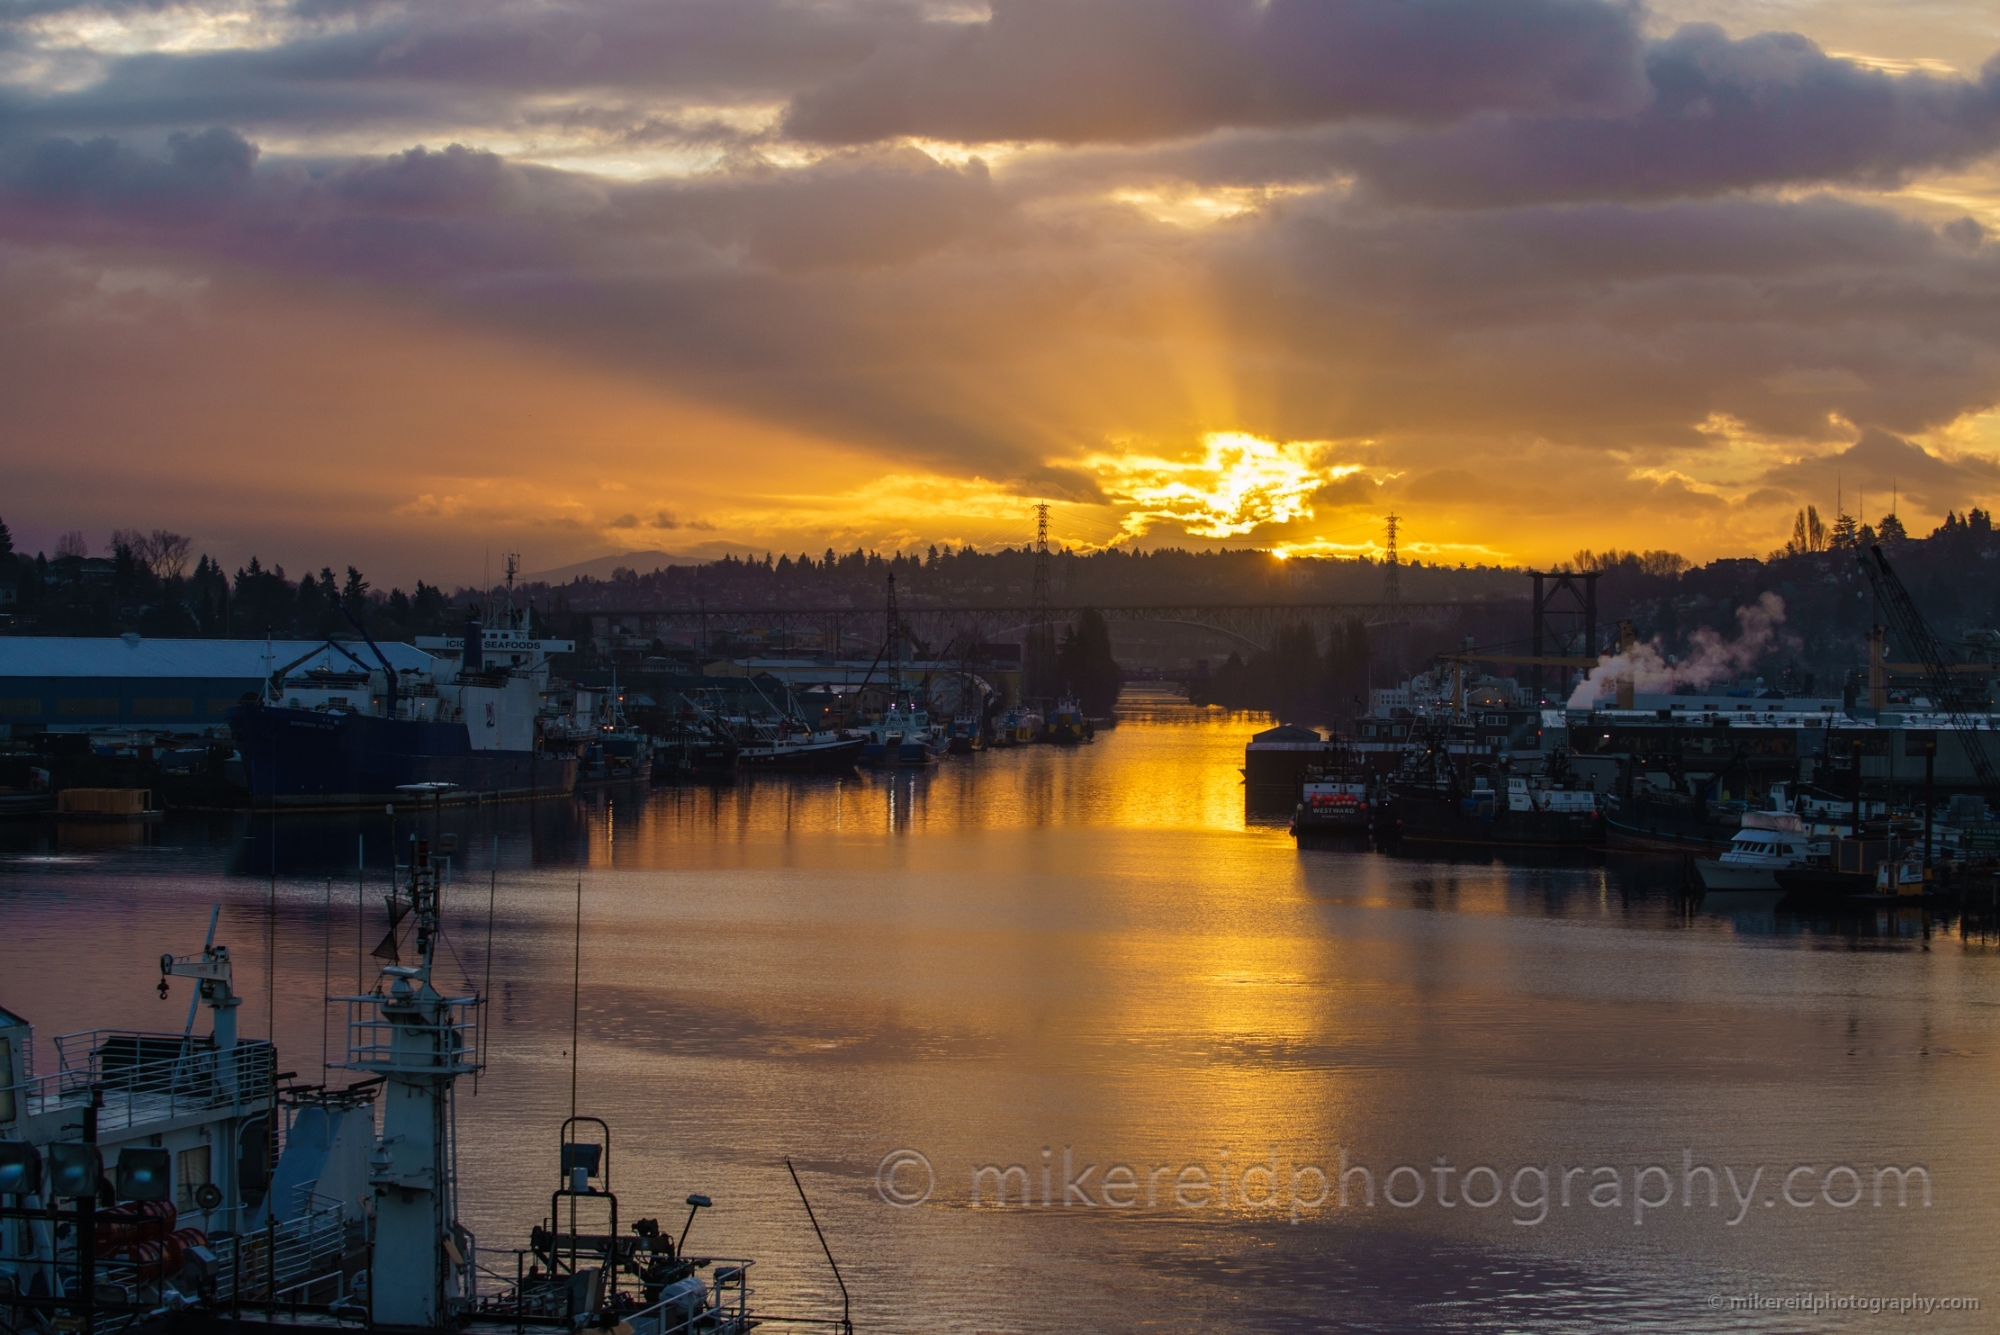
(809, 757)
(310, 758)
(1440, 820)
(1724, 876)
(1308, 826)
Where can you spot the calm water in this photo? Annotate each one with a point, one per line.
(1034, 955)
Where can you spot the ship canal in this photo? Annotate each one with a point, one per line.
(1068, 1039)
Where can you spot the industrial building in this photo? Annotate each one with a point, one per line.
(131, 683)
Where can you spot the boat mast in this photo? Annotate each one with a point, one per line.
(419, 1042)
(893, 648)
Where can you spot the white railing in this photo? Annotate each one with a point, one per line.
(292, 1261)
(373, 1022)
(144, 1077)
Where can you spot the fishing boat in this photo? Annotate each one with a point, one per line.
(797, 748)
(904, 735)
(617, 751)
(1336, 801)
(1429, 801)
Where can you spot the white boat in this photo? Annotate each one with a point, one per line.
(198, 1177)
(1768, 842)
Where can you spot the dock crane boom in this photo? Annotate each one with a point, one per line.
(1930, 655)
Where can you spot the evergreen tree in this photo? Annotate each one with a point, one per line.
(1890, 531)
(264, 601)
(354, 594)
(1086, 666)
(6, 541)
(312, 601)
(427, 609)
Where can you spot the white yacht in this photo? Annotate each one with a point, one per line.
(1767, 843)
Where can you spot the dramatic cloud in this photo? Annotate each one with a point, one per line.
(1142, 69)
(1547, 271)
(1719, 115)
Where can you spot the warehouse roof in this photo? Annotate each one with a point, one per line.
(137, 656)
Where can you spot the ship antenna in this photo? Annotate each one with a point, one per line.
(486, 988)
(846, 1325)
(575, 1000)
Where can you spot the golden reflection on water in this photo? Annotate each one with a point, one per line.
(1170, 768)
(1093, 950)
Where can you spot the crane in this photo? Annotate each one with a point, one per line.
(1930, 655)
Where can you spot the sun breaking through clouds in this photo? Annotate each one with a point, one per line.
(1238, 485)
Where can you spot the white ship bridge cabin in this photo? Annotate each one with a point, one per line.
(150, 1171)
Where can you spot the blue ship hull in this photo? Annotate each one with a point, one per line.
(306, 757)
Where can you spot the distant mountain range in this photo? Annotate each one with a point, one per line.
(644, 563)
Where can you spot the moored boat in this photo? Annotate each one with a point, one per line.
(816, 752)
(1335, 801)
(1066, 724)
(354, 738)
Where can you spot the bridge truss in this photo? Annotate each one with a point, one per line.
(947, 631)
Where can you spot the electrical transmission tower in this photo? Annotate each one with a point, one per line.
(892, 642)
(1041, 632)
(1392, 569)
(1392, 594)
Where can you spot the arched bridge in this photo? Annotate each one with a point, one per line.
(1251, 624)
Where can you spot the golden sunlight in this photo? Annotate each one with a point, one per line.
(1239, 483)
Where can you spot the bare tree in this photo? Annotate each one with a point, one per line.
(72, 543)
(131, 539)
(168, 553)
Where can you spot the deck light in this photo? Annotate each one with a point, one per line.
(696, 1204)
(20, 1168)
(145, 1174)
(74, 1169)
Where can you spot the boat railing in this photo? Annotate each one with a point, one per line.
(294, 1261)
(728, 1308)
(144, 1077)
(374, 1020)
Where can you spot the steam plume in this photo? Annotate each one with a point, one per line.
(1710, 657)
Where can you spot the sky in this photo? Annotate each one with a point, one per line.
(411, 285)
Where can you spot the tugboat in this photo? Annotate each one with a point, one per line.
(965, 735)
(1066, 724)
(1018, 727)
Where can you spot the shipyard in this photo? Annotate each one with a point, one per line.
(1196, 668)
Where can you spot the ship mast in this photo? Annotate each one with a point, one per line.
(419, 1042)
